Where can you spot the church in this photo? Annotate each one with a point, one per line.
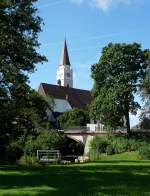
(64, 95)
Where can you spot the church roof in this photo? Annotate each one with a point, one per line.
(65, 56)
(77, 98)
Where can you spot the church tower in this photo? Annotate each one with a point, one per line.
(64, 72)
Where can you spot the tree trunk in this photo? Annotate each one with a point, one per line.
(128, 123)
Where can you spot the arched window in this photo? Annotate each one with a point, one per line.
(59, 82)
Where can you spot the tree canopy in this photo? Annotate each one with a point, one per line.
(146, 94)
(74, 117)
(20, 111)
(145, 123)
(117, 77)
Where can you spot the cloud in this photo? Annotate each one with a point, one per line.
(51, 3)
(78, 2)
(103, 4)
(106, 5)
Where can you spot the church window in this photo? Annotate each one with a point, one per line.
(59, 82)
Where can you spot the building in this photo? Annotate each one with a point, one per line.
(65, 96)
(65, 72)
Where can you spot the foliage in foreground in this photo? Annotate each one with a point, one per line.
(22, 110)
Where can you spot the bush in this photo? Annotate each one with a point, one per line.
(29, 161)
(94, 154)
(144, 152)
(14, 149)
(100, 143)
(118, 144)
(123, 144)
(133, 144)
(110, 150)
(46, 140)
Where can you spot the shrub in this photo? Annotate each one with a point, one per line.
(29, 161)
(94, 154)
(110, 150)
(15, 149)
(144, 152)
(124, 144)
(46, 140)
(119, 144)
(133, 144)
(100, 143)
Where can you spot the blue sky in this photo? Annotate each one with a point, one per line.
(89, 25)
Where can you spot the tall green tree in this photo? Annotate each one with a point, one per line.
(19, 28)
(146, 93)
(73, 118)
(117, 78)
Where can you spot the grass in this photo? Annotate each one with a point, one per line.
(127, 156)
(112, 175)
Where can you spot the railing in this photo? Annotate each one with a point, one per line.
(140, 130)
(94, 129)
(84, 128)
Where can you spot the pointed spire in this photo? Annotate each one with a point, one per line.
(65, 57)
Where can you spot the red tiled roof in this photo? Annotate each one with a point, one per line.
(76, 97)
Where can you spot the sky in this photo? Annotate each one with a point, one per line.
(88, 25)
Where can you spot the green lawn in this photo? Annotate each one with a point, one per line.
(110, 176)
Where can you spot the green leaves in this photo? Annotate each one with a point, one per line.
(117, 77)
(22, 111)
(46, 140)
(73, 118)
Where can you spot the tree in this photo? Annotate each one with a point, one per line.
(74, 117)
(145, 123)
(117, 77)
(19, 28)
(46, 140)
(146, 93)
